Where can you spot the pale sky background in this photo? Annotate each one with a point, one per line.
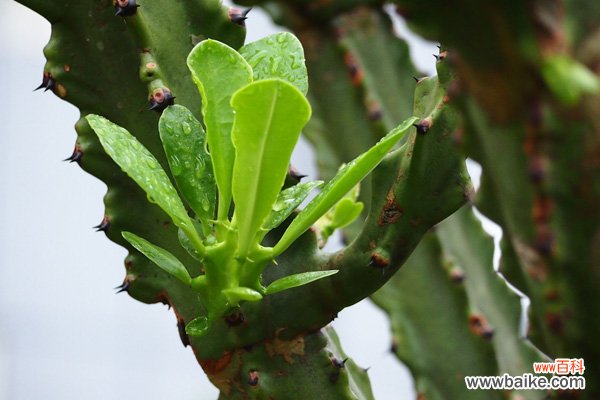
(64, 334)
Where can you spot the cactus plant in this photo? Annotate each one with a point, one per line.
(516, 91)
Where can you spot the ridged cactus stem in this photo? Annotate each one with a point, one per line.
(306, 366)
(160, 96)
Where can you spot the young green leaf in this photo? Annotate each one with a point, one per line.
(145, 170)
(269, 115)
(341, 215)
(346, 211)
(287, 201)
(187, 244)
(161, 257)
(278, 56)
(344, 181)
(219, 71)
(237, 294)
(197, 326)
(184, 141)
(292, 281)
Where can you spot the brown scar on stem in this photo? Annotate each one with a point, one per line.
(222, 371)
(391, 212)
(285, 348)
(61, 91)
(212, 367)
(378, 261)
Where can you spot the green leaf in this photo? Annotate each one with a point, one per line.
(269, 115)
(187, 244)
(278, 56)
(342, 215)
(145, 170)
(161, 257)
(237, 294)
(342, 183)
(184, 141)
(197, 326)
(287, 201)
(219, 71)
(292, 281)
(346, 211)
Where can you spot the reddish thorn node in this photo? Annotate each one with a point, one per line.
(423, 126)
(479, 326)
(103, 225)
(253, 377)
(76, 156)
(160, 99)
(378, 261)
(238, 16)
(48, 83)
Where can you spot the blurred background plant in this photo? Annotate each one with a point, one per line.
(521, 79)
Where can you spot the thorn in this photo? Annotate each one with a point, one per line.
(416, 79)
(182, 334)
(238, 16)
(423, 126)
(123, 287)
(436, 57)
(439, 47)
(103, 225)
(339, 364)
(76, 156)
(125, 8)
(334, 376)
(394, 346)
(295, 174)
(48, 83)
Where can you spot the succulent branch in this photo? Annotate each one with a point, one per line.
(208, 142)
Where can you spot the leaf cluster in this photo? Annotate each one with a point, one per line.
(230, 172)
